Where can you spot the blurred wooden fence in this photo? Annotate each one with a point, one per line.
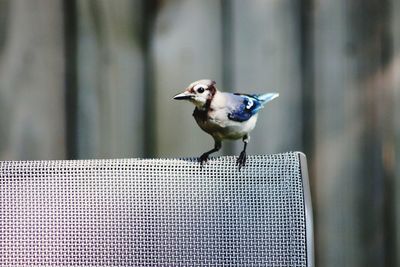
(94, 79)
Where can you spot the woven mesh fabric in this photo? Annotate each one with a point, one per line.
(153, 212)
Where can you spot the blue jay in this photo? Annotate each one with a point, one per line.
(224, 115)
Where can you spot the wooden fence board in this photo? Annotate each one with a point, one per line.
(110, 79)
(267, 59)
(31, 81)
(339, 124)
(184, 50)
(349, 178)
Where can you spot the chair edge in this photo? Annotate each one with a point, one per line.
(308, 209)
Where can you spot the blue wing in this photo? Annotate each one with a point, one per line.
(250, 105)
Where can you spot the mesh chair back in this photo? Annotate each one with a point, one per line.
(156, 212)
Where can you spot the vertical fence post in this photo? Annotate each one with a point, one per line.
(71, 86)
(149, 112)
(394, 147)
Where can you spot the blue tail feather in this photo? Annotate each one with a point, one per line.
(266, 97)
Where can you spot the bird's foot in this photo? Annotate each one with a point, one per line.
(241, 161)
(203, 158)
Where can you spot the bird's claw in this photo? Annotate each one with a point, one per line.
(203, 158)
(241, 161)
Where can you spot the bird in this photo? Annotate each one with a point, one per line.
(223, 115)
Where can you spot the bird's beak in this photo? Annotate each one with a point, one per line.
(183, 96)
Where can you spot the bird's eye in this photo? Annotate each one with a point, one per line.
(200, 90)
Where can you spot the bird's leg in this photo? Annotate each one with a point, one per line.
(204, 157)
(241, 161)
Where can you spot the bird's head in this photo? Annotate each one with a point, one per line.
(198, 92)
